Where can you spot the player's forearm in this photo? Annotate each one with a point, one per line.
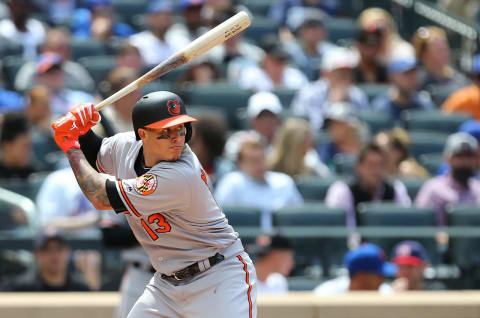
(90, 181)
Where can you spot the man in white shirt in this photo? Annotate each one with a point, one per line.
(253, 185)
(367, 270)
(153, 44)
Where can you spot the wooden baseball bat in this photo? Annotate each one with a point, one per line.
(202, 44)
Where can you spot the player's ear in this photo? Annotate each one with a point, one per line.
(141, 133)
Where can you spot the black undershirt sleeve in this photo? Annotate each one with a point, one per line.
(90, 144)
(114, 198)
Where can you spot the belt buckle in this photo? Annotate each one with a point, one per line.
(175, 276)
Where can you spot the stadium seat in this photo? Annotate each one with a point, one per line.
(432, 161)
(413, 185)
(28, 188)
(315, 188)
(327, 252)
(434, 120)
(221, 95)
(376, 121)
(126, 10)
(10, 66)
(301, 283)
(391, 214)
(239, 215)
(285, 95)
(343, 29)
(258, 7)
(422, 142)
(260, 28)
(157, 86)
(373, 90)
(17, 214)
(464, 250)
(200, 110)
(344, 164)
(98, 66)
(87, 47)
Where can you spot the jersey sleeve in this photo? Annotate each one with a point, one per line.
(106, 155)
(152, 193)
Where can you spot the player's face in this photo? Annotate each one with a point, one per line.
(163, 144)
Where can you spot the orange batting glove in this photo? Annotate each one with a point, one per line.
(66, 133)
(85, 117)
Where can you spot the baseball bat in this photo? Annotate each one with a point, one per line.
(197, 47)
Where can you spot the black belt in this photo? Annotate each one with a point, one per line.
(194, 269)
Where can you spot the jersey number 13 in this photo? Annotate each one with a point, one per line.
(159, 223)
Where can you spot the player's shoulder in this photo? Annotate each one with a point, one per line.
(124, 138)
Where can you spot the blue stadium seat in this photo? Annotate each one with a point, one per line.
(424, 142)
(341, 29)
(464, 250)
(413, 185)
(432, 161)
(315, 188)
(126, 10)
(376, 121)
(285, 95)
(87, 47)
(434, 120)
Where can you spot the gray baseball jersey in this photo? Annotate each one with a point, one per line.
(171, 209)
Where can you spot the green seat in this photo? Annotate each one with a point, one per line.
(315, 188)
(432, 161)
(200, 110)
(341, 29)
(302, 283)
(391, 214)
(344, 164)
(376, 121)
(10, 67)
(260, 28)
(258, 7)
(327, 252)
(434, 120)
(239, 215)
(228, 97)
(98, 66)
(28, 188)
(465, 251)
(87, 47)
(422, 142)
(128, 9)
(285, 95)
(373, 90)
(413, 185)
(155, 86)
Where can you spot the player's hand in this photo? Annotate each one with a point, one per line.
(66, 133)
(85, 117)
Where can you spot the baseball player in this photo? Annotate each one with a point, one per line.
(154, 179)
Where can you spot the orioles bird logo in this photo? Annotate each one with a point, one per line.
(173, 107)
(146, 184)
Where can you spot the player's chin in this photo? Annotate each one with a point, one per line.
(175, 154)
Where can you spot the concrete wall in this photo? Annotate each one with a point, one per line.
(464, 304)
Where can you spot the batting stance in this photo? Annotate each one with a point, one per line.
(160, 186)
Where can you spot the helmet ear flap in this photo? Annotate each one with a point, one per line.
(188, 135)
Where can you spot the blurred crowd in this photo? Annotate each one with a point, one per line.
(364, 116)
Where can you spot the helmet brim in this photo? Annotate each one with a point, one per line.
(170, 122)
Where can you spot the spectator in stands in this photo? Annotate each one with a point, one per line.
(16, 147)
(395, 144)
(264, 113)
(192, 25)
(57, 12)
(97, 21)
(128, 55)
(467, 99)
(201, 71)
(411, 260)
(10, 101)
(273, 72)
(152, 43)
(284, 10)
(335, 85)
(348, 134)
(310, 44)
(57, 41)
(368, 184)
(62, 205)
(367, 270)
(457, 186)
(392, 44)
(370, 69)
(253, 185)
(275, 261)
(22, 29)
(294, 153)
(208, 143)
(118, 117)
(404, 91)
(51, 74)
(52, 273)
(437, 76)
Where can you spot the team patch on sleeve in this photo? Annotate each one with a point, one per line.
(146, 184)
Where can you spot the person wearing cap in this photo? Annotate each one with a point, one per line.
(275, 261)
(336, 85)
(273, 72)
(437, 75)
(153, 44)
(368, 44)
(22, 29)
(254, 185)
(347, 134)
(310, 44)
(51, 272)
(458, 186)
(50, 73)
(368, 184)
(404, 93)
(367, 271)
(192, 25)
(467, 99)
(411, 260)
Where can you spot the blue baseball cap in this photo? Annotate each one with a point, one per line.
(476, 64)
(409, 253)
(401, 65)
(184, 4)
(471, 127)
(160, 6)
(369, 258)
